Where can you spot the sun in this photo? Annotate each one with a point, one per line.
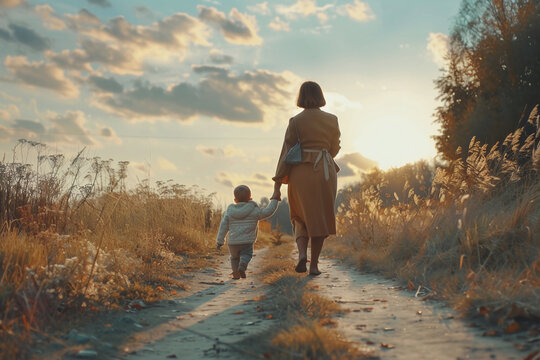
(393, 142)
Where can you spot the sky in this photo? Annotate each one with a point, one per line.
(200, 92)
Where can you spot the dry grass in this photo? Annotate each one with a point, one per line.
(74, 240)
(305, 319)
(470, 232)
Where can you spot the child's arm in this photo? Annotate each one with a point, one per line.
(269, 210)
(223, 230)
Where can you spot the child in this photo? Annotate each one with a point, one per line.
(240, 220)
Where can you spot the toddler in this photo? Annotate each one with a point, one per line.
(240, 220)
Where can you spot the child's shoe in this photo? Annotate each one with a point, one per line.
(242, 270)
(236, 275)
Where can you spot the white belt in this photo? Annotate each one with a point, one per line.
(326, 158)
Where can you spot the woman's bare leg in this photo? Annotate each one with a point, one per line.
(302, 244)
(316, 247)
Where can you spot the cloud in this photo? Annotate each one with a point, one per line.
(50, 20)
(219, 58)
(69, 128)
(304, 8)
(123, 47)
(11, 3)
(247, 98)
(105, 84)
(279, 25)
(25, 36)
(437, 46)
(165, 164)
(238, 29)
(359, 11)
(337, 102)
(257, 181)
(109, 134)
(40, 74)
(140, 166)
(229, 151)
(354, 164)
(9, 113)
(115, 59)
(143, 11)
(261, 9)
(101, 3)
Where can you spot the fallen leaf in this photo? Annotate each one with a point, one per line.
(490, 333)
(471, 275)
(357, 310)
(160, 288)
(368, 309)
(173, 292)
(269, 316)
(461, 261)
(94, 308)
(211, 293)
(419, 312)
(512, 328)
(108, 325)
(238, 312)
(267, 355)
(369, 342)
(411, 285)
(388, 329)
(482, 310)
(327, 321)
(387, 346)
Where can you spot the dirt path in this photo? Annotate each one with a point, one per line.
(395, 324)
(381, 313)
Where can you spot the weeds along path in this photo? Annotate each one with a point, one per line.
(387, 320)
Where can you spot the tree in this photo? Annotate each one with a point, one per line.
(493, 75)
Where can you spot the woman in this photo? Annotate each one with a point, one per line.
(313, 182)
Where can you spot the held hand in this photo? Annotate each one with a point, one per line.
(276, 195)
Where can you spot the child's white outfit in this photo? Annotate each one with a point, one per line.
(240, 221)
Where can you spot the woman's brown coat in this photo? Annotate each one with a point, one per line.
(312, 189)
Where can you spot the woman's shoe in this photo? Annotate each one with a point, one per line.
(301, 266)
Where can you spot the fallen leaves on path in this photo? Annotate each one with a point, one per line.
(512, 328)
(387, 346)
(238, 312)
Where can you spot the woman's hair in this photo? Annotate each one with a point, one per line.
(310, 96)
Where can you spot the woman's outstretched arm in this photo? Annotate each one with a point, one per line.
(277, 191)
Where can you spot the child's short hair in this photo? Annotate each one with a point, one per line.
(242, 193)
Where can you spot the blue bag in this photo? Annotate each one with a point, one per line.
(294, 155)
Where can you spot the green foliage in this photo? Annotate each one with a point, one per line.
(493, 73)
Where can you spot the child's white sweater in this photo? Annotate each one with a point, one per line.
(240, 221)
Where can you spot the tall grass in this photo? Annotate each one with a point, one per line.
(74, 238)
(468, 230)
